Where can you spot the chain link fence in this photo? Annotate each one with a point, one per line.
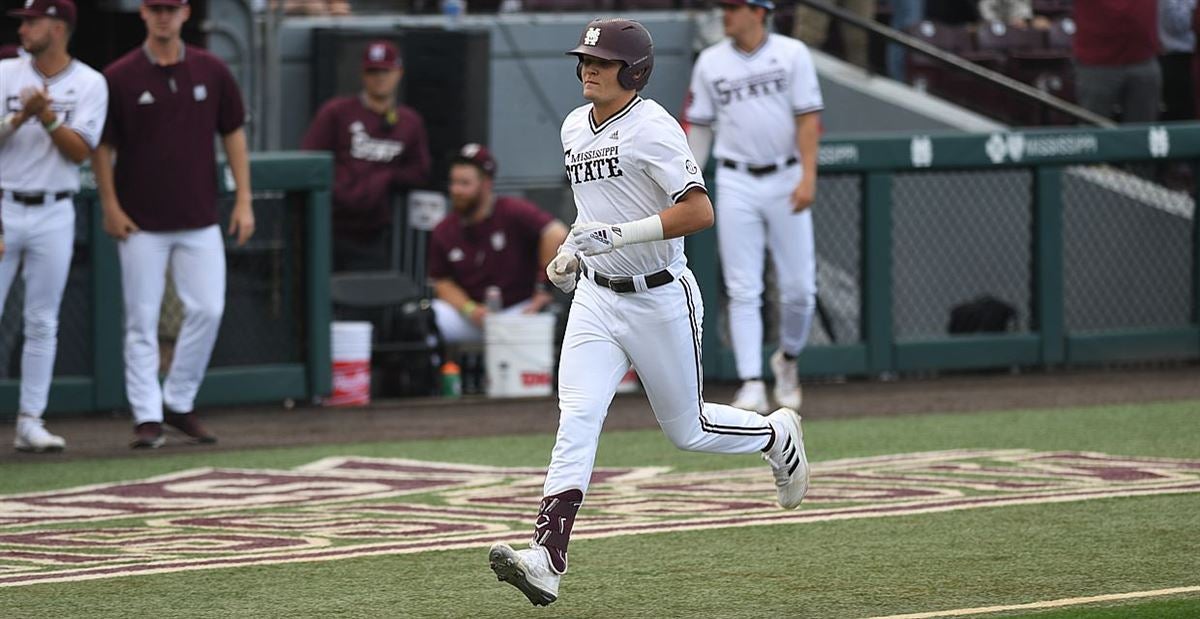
(837, 228)
(959, 236)
(1127, 250)
(264, 290)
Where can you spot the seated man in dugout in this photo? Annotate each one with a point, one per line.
(488, 241)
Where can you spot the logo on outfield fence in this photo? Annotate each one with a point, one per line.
(1018, 146)
(339, 508)
(921, 149)
(1160, 142)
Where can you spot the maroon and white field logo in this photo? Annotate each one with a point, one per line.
(339, 508)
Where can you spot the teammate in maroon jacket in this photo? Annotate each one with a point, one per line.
(378, 147)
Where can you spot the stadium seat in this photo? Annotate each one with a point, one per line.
(1061, 32)
(931, 75)
(1000, 37)
(1048, 69)
(647, 5)
(1052, 8)
(567, 5)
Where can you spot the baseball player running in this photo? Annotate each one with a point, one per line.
(638, 193)
(760, 92)
(53, 115)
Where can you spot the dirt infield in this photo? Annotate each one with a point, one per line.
(107, 435)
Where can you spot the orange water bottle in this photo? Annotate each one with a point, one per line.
(451, 380)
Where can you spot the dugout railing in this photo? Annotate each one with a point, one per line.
(1089, 234)
(274, 343)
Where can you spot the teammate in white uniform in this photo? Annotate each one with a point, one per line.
(53, 115)
(638, 192)
(760, 92)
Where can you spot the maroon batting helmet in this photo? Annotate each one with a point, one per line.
(623, 40)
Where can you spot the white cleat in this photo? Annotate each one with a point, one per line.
(787, 381)
(32, 436)
(752, 396)
(527, 570)
(788, 461)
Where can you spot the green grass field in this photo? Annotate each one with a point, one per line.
(846, 568)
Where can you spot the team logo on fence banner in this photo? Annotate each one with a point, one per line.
(1159, 142)
(921, 151)
(339, 508)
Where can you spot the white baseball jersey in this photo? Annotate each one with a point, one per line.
(633, 165)
(29, 161)
(753, 98)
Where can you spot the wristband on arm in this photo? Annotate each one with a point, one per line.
(53, 125)
(642, 231)
(6, 125)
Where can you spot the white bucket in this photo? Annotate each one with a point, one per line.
(629, 382)
(351, 344)
(519, 351)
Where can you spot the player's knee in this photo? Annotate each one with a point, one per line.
(745, 297)
(207, 313)
(142, 315)
(799, 296)
(40, 327)
(687, 441)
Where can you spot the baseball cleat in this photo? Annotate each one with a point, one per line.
(189, 425)
(148, 435)
(788, 461)
(528, 570)
(33, 437)
(752, 396)
(787, 381)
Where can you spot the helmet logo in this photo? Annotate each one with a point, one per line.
(377, 53)
(592, 36)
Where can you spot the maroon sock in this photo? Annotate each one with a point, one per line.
(553, 527)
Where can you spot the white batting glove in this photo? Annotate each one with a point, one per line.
(595, 238)
(562, 268)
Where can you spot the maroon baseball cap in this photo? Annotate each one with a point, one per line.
(58, 9)
(477, 155)
(381, 55)
(164, 2)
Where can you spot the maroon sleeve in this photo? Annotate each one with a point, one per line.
(112, 123)
(231, 114)
(322, 133)
(413, 166)
(530, 219)
(438, 265)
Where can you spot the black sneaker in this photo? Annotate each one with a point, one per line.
(147, 435)
(189, 425)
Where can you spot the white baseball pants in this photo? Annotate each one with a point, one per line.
(753, 214)
(43, 237)
(458, 329)
(197, 262)
(658, 331)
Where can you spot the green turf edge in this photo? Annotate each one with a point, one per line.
(1165, 429)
